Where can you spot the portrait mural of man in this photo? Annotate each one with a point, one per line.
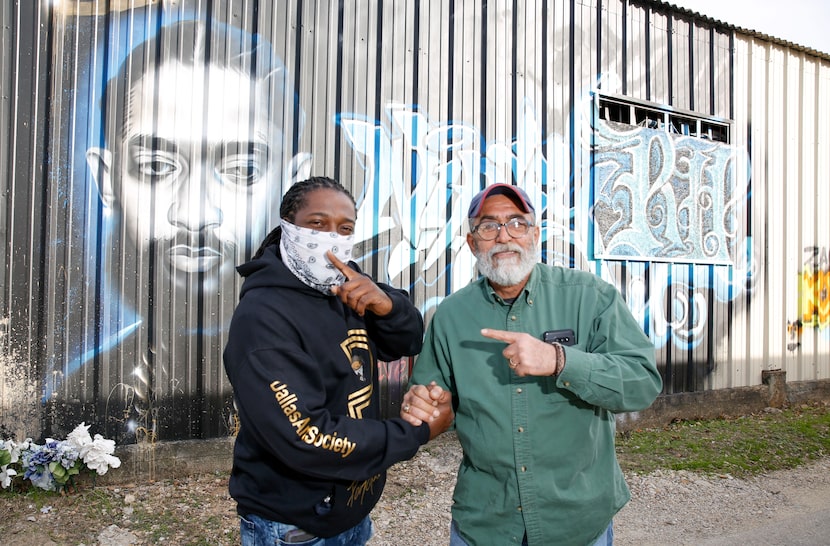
(198, 136)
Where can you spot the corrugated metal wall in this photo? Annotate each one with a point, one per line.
(121, 231)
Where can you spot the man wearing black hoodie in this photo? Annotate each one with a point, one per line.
(311, 454)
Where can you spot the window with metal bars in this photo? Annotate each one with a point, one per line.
(631, 112)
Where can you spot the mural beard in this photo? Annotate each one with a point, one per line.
(169, 284)
(163, 325)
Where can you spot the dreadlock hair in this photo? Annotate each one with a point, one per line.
(295, 199)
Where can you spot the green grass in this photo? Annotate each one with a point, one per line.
(740, 447)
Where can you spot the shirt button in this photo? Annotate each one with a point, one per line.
(530, 302)
(519, 390)
(524, 469)
(519, 508)
(521, 429)
(513, 318)
(567, 383)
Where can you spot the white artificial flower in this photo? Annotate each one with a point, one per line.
(17, 449)
(79, 437)
(98, 455)
(6, 475)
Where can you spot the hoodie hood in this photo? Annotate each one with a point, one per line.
(268, 271)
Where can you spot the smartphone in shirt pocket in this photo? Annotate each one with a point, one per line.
(562, 337)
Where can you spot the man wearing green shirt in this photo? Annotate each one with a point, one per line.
(538, 360)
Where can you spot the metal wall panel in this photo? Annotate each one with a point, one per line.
(414, 105)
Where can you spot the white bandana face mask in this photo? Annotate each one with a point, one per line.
(304, 253)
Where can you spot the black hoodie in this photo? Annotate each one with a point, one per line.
(311, 450)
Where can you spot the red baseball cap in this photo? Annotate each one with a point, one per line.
(515, 193)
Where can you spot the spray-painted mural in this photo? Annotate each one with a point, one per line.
(658, 197)
(189, 148)
(665, 197)
(176, 126)
(815, 288)
(429, 205)
(813, 296)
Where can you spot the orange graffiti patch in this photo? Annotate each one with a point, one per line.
(815, 298)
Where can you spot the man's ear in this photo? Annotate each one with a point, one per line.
(100, 163)
(297, 169)
(471, 242)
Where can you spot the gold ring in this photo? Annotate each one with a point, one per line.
(513, 364)
(406, 408)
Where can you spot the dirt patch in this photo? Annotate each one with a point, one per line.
(195, 510)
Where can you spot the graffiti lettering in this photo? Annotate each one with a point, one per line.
(419, 174)
(816, 258)
(663, 196)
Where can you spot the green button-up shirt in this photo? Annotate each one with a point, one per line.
(539, 452)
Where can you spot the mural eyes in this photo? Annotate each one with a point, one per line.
(156, 165)
(241, 170)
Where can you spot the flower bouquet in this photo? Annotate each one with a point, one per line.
(53, 465)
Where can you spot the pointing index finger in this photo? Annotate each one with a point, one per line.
(343, 268)
(500, 335)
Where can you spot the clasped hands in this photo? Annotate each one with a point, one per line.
(428, 404)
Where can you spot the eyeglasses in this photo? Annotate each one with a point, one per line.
(516, 227)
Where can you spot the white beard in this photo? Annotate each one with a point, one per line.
(507, 273)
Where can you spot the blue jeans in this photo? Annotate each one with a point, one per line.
(256, 531)
(605, 539)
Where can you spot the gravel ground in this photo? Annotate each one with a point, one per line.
(781, 508)
(666, 507)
